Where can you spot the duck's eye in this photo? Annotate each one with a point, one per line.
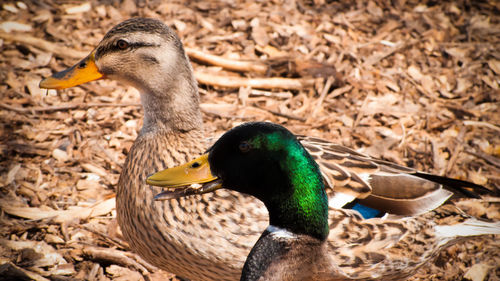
(122, 44)
(244, 146)
(195, 165)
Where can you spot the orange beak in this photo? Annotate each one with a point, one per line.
(82, 72)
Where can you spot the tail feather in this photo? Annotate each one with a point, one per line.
(468, 189)
(470, 227)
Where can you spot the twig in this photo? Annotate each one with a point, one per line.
(488, 158)
(464, 44)
(339, 91)
(441, 124)
(64, 107)
(373, 59)
(39, 43)
(18, 273)
(281, 114)
(93, 272)
(140, 260)
(226, 110)
(116, 242)
(481, 124)
(260, 83)
(461, 110)
(281, 95)
(361, 111)
(235, 65)
(115, 257)
(436, 159)
(326, 87)
(403, 137)
(457, 150)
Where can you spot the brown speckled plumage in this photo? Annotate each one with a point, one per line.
(173, 234)
(391, 249)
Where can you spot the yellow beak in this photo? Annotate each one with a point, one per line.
(82, 72)
(194, 172)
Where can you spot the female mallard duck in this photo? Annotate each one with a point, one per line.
(267, 161)
(207, 237)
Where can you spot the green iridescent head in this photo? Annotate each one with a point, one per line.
(267, 161)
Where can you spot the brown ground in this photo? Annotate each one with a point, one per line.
(416, 83)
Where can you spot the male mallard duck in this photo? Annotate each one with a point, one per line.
(208, 237)
(267, 161)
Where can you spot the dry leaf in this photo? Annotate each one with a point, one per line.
(11, 175)
(494, 65)
(48, 256)
(477, 272)
(60, 155)
(477, 178)
(458, 53)
(415, 73)
(9, 7)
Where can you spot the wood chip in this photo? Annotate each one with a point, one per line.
(72, 214)
(82, 8)
(418, 86)
(9, 26)
(259, 83)
(60, 155)
(12, 272)
(477, 272)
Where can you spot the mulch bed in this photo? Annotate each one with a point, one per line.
(414, 82)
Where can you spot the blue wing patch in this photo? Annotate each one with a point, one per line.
(365, 211)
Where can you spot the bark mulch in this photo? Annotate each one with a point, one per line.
(414, 82)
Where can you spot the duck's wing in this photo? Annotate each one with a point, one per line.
(384, 186)
(394, 248)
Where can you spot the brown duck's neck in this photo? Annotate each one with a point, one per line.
(152, 152)
(172, 105)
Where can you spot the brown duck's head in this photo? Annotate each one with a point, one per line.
(140, 52)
